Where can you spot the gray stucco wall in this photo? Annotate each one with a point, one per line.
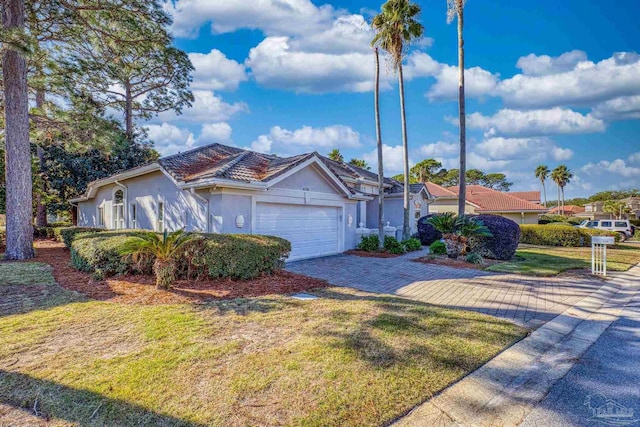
(394, 211)
(308, 179)
(181, 208)
(225, 209)
(350, 229)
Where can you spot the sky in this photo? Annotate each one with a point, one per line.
(547, 82)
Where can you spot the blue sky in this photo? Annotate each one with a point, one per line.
(547, 82)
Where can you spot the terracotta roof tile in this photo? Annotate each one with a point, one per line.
(489, 200)
(532, 196)
(570, 209)
(439, 191)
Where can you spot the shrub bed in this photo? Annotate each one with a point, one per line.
(504, 240)
(552, 219)
(241, 256)
(391, 244)
(560, 235)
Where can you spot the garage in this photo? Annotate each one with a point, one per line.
(312, 230)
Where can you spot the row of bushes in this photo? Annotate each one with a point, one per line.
(551, 219)
(391, 244)
(241, 256)
(560, 235)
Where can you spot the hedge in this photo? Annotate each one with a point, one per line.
(552, 219)
(560, 235)
(505, 236)
(67, 234)
(241, 256)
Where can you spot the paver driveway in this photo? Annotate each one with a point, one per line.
(526, 300)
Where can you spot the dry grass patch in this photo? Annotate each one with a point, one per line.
(347, 359)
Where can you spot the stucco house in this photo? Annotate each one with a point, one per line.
(308, 199)
(483, 200)
(569, 210)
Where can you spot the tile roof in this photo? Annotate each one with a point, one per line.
(532, 196)
(571, 209)
(489, 200)
(439, 191)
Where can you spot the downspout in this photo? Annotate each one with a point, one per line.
(206, 204)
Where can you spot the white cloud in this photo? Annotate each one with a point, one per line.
(275, 64)
(478, 82)
(215, 132)
(392, 159)
(169, 139)
(207, 107)
(439, 149)
(346, 34)
(585, 84)
(618, 167)
(635, 158)
(529, 149)
(622, 108)
(534, 65)
(269, 16)
(305, 139)
(476, 161)
(553, 121)
(214, 71)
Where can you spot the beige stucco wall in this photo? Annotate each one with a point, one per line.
(528, 218)
(449, 205)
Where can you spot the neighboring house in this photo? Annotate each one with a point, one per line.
(569, 210)
(483, 200)
(312, 201)
(595, 210)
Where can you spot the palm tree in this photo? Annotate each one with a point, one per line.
(561, 176)
(556, 176)
(455, 8)
(163, 248)
(376, 102)
(396, 26)
(336, 155)
(542, 173)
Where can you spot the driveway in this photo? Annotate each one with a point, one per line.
(525, 300)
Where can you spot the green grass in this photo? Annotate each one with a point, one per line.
(550, 261)
(27, 273)
(346, 359)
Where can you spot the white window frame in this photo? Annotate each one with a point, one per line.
(119, 223)
(160, 212)
(133, 215)
(100, 215)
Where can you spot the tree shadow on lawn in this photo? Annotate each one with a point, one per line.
(49, 400)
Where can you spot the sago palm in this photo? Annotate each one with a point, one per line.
(396, 26)
(162, 248)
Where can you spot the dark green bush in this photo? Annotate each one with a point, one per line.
(504, 239)
(560, 235)
(237, 256)
(427, 232)
(67, 234)
(412, 244)
(393, 245)
(438, 248)
(369, 243)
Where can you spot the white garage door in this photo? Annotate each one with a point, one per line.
(312, 230)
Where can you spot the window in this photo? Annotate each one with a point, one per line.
(100, 216)
(118, 209)
(588, 208)
(621, 224)
(605, 223)
(160, 226)
(134, 216)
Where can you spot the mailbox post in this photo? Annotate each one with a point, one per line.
(599, 254)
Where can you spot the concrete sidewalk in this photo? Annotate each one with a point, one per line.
(505, 390)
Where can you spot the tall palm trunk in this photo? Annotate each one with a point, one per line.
(544, 190)
(41, 209)
(376, 100)
(406, 228)
(562, 193)
(461, 101)
(559, 206)
(17, 155)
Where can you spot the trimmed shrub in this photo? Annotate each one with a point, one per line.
(560, 235)
(238, 256)
(67, 234)
(438, 248)
(427, 232)
(412, 245)
(552, 219)
(504, 239)
(474, 258)
(103, 253)
(369, 243)
(393, 246)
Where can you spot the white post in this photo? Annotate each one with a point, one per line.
(593, 259)
(599, 253)
(604, 260)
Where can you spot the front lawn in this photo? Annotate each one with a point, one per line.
(552, 260)
(347, 358)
